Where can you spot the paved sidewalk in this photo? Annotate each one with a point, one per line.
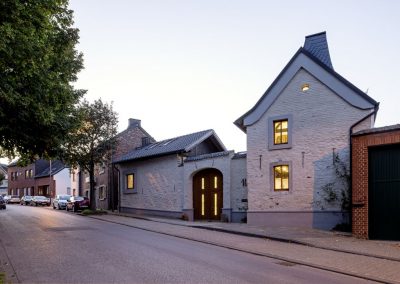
(372, 260)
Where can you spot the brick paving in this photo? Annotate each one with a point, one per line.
(373, 260)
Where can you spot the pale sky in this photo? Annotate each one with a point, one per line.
(183, 66)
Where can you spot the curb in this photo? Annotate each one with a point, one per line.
(376, 279)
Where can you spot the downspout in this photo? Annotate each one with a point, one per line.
(119, 189)
(351, 161)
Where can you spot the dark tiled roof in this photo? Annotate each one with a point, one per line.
(240, 155)
(317, 45)
(169, 146)
(4, 167)
(56, 166)
(208, 156)
(378, 130)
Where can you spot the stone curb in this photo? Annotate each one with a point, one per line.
(376, 279)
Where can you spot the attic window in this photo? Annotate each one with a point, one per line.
(305, 87)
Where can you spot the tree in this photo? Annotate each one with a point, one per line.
(38, 63)
(93, 141)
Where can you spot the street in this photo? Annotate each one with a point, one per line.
(42, 245)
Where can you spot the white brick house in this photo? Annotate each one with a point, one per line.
(192, 176)
(295, 133)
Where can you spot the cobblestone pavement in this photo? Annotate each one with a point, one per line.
(373, 260)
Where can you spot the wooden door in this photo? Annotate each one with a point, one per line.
(207, 195)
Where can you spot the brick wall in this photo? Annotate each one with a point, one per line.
(360, 176)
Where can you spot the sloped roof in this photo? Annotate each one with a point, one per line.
(3, 167)
(319, 57)
(56, 167)
(395, 127)
(179, 144)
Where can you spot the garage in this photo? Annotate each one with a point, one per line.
(375, 177)
(384, 192)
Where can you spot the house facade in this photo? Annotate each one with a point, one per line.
(192, 177)
(298, 142)
(376, 183)
(4, 182)
(39, 178)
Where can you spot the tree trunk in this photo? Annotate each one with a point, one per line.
(92, 192)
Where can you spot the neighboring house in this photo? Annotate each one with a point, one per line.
(4, 182)
(192, 177)
(376, 183)
(52, 180)
(106, 182)
(298, 135)
(39, 178)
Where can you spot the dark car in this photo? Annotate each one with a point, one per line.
(76, 203)
(26, 200)
(2, 203)
(40, 201)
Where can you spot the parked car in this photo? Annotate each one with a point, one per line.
(40, 201)
(14, 199)
(60, 202)
(26, 200)
(7, 198)
(76, 203)
(2, 203)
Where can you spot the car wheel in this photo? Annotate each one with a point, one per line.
(54, 207)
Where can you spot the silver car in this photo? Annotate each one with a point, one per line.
(14, 199)
(60, 202)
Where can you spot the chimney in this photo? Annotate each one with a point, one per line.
(132, 123)
(317, 45)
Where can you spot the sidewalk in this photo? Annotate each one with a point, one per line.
(372, 260)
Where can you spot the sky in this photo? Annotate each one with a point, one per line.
(182, 66)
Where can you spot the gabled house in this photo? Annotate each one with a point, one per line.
(298, 142)
(106, 180)
(47, 178)
(191, 176)
(4, 182)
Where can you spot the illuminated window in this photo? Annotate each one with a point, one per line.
(202, 205)
(30, 173)
(130, 181)
(305, 87)
(281, 132)
(215, 204)
(215, 182)
(202, 183)
(281, 178)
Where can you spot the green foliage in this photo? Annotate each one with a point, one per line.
(93, 141)
(338, 191)
(38, 63)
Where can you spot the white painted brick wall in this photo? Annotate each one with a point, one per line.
(321, 122)
(159, 183)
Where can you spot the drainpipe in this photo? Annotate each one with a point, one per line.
(119, 189)
(351, 162)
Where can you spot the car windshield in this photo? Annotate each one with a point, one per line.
(28, 197)
(78, 198)
(40, 197)
(64, 197)
(15, 196)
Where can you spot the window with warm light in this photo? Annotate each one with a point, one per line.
(281, 178)
(130, 181)
(281, 132)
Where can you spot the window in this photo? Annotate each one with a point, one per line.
(26, 173)
(281, 178)
(102, 192)
(281, 132)
(30, 173)
(130, 181)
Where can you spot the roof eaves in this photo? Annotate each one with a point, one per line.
(239, 122)
(206, 135)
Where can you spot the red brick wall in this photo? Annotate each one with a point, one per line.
(360, 176)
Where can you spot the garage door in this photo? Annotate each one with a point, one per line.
(384, 192)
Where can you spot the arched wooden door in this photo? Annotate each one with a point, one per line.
(207, 195)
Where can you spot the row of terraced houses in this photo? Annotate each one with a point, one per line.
(313, 159)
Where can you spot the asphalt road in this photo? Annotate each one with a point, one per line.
(41, 245)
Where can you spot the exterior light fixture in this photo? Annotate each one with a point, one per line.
(305, 87)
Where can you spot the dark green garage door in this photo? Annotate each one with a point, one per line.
(384, 192)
